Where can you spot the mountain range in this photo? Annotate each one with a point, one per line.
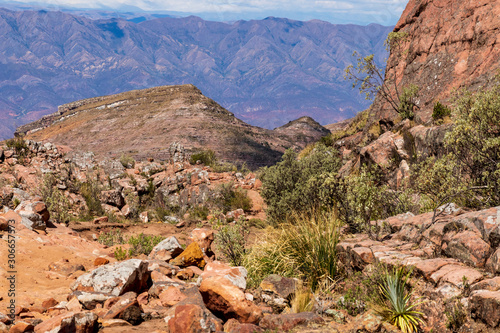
(267, 72)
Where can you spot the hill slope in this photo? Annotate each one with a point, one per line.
(267, 72)
(144, 123)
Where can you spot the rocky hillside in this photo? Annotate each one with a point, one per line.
(143, 123)
(267, 72)
(451, 45)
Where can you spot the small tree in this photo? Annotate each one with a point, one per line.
(372, 82)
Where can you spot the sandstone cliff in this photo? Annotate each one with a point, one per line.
(451, 45)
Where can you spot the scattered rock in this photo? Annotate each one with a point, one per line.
(191, 256)
(167, 249)
(116, 279)
(485, 305)
(83, 322)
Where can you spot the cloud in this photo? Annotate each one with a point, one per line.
(355, 11)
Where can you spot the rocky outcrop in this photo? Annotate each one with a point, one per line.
(450, 45)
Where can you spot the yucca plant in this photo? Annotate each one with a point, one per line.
(396, 303)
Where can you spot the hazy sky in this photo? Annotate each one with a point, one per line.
(384, 12)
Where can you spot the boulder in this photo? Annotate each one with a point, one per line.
(191, 256)
(227, 301)
(204, 237)
(171, 296)
(191, 315)
(277, 291)
(167, 249)
(467, 246)
(236, 275)
(493, 263)
(116, 279)
(191, 318)
(485, 305)
(34, 214)
(113, 198)
(21, 327)
(90, 300)
(82, 322)
(117, 305)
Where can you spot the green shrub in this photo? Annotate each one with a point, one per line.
(57, 203)
(475, 141)
(127, 161)
(408, 102)
(120, 254)
(293, 185)
(199, 212)
(143, 244)
(456, 315)
(90, 190)
(18, 145)
(305, 248)
(397, 307)
(230, 241)
(206, 157)
(112, 237)
(227, 198)
(440, 111)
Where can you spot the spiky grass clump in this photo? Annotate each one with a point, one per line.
(396, 305)
(303, 301)
(304, 248)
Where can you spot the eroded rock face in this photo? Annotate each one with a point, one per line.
(451, 44)
(116, 279)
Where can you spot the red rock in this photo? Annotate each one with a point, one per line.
(204, 237)
(167, 249)
(171, 296)
(121, 304)
(101, 261)
(286, 322)
(236, 275)
(143, 298)
(428, 267)
(485, 305)
(493, 263)
(492, 284)
(467, 246)
(221, 296)
(99, 220)
(21, 327)
(49, 303)
(74, 305)
(83, 322)
(191, 318)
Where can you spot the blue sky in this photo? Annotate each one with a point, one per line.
(385, 12)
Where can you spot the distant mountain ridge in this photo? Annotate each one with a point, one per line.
(267, 72)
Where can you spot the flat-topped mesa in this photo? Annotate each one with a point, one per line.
(143, 123)
(187, 93)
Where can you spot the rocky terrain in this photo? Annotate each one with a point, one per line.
(143, 123)
(67, 281)
(266, 72)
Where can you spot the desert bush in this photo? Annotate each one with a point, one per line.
(90, 190)
(230, 241)
(206, 157)
(57, 203)
(440, 111)
(18, 145)
(397, 306)
(143, 244)
(293, 185)
(228, 198)
(408, 102)
(127, 161)
(304, 248)
(475, 141)
(112, 237)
